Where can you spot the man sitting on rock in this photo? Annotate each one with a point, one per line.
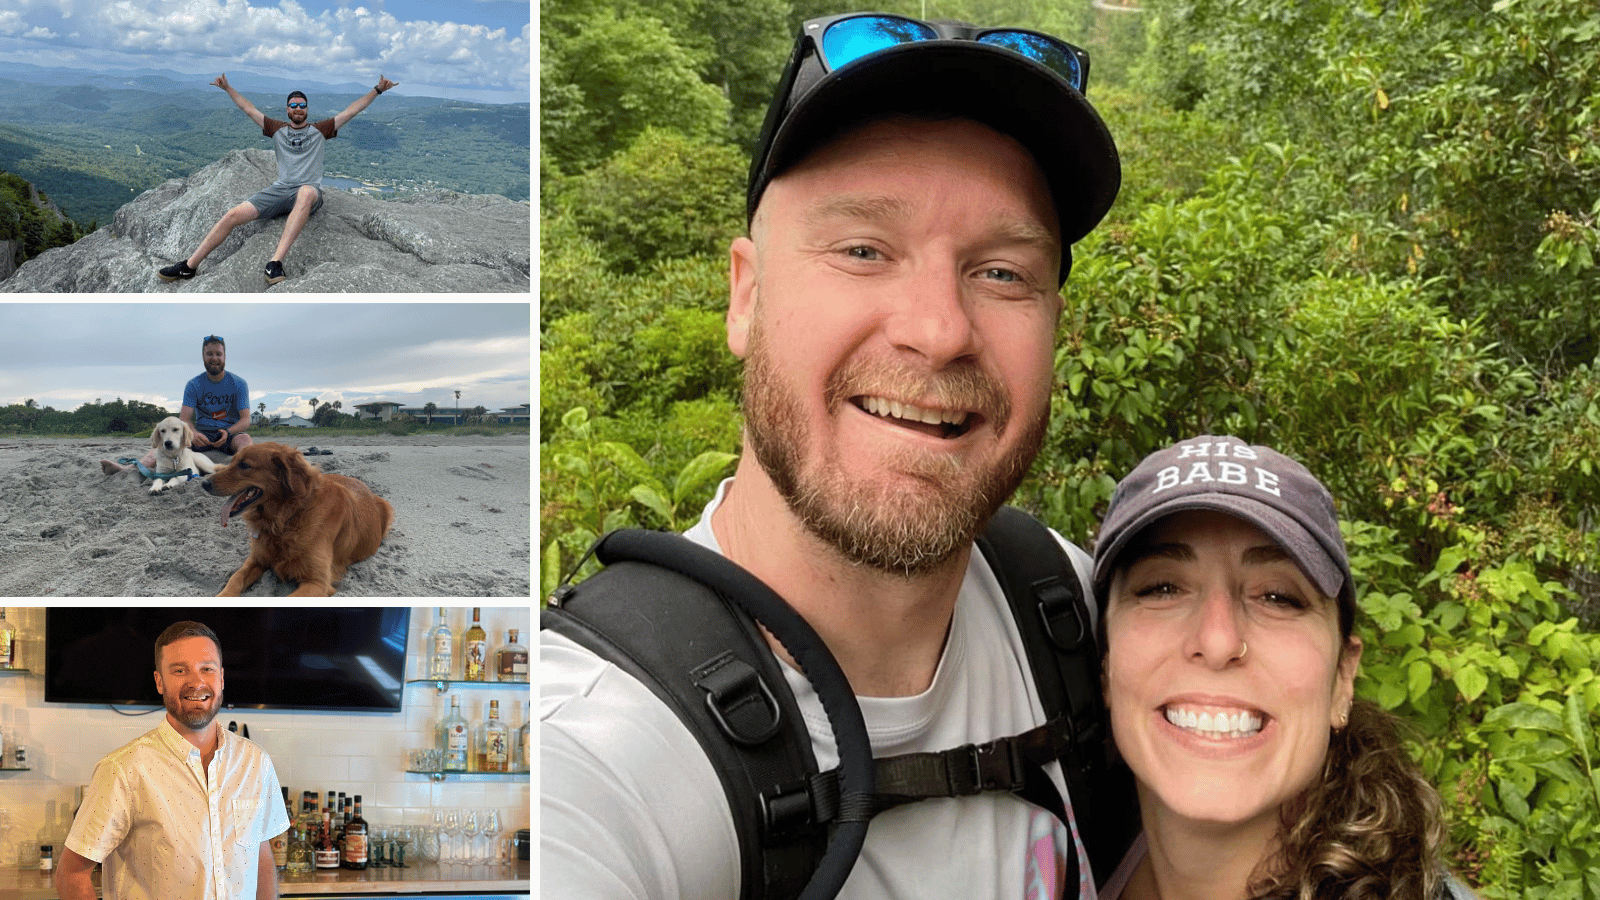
(298, 191)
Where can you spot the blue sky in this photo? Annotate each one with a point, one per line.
(67, 354)
(468, 49)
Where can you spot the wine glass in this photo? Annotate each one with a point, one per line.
(491, 834)
(379, 835)
(452, 824)
(469, 834)
(402, 836)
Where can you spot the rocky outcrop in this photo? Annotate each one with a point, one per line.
(430, 241)
(8, 258)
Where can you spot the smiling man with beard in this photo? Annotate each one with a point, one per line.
(912, 205)
(297, 193)
(187, 811)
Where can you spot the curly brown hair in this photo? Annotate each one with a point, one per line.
(1371, 827)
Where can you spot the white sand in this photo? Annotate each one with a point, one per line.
(463, 514)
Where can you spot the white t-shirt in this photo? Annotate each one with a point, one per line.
(166, 829)
(630, 806)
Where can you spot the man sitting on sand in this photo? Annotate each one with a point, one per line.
(298, 191)
(222, 401)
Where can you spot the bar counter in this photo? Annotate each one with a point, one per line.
(429, 879)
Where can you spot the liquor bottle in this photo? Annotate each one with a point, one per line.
(355, 840)
(280, 843)
(474, 653)
(441, 660)
(496, 742)
(457, 743)
(8, 642)
(511, 661)
(326, 856)
(527, 737)
(341, 821)
(301, 856)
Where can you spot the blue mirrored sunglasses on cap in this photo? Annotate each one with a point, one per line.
(843, 39)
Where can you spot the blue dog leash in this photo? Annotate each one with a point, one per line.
(154, 476)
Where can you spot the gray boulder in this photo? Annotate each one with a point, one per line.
(428, 241)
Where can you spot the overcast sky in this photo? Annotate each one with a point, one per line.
(66, 354)
(468, 49)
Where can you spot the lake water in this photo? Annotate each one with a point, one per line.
(347, 183)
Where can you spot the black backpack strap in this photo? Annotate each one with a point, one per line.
(682, 620)
(1052, 615)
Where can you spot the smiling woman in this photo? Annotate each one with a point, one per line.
(1229, 672)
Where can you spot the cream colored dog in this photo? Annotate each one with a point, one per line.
(171, 439)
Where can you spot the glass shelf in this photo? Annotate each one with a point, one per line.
(27, 671)
(445, 684)
(30, 769)
(515, 774)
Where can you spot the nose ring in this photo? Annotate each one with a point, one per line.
(1243, 649)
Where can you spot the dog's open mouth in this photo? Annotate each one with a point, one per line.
(239, 502)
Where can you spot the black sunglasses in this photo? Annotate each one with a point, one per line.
(297, 106)
(843, 39)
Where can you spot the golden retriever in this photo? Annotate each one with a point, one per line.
(305, 525)
(172, 439)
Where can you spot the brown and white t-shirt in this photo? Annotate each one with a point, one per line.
(299, 150)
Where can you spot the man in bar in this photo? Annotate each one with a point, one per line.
(187, 811)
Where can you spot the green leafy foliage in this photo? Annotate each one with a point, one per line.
(27, 221)
(1364, 233)
(605, 77)
(665, 196)
(119, 416)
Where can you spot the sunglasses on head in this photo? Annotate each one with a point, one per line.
(297, 106)
(843, 39)
(212, 339)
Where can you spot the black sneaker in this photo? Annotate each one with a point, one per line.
(176, 270)
(275, 272)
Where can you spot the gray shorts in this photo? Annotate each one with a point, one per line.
(278, 199)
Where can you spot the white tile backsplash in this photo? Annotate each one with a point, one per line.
(312, 750)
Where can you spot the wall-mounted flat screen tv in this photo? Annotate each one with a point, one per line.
(278, 658)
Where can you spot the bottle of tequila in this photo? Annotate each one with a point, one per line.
(496, 742)
(301, 856)
(440, 646)
(474, 650)
(511, 660)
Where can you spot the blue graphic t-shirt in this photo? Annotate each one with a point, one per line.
(216, 404)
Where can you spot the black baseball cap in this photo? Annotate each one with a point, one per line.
(955, 75)
(1257, 484)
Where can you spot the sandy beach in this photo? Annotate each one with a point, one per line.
(462, 528)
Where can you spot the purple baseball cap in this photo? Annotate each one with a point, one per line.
(1254, 483)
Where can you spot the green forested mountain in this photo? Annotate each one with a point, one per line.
(94, 147)
(29, 223)
(1364, 233)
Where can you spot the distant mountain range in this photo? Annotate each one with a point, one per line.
(166, 80)
(93, 141)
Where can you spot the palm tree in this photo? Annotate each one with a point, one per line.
(429, 409)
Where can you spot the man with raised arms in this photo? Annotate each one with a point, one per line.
(297, 193)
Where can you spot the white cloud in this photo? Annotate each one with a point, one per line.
(344, 44)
